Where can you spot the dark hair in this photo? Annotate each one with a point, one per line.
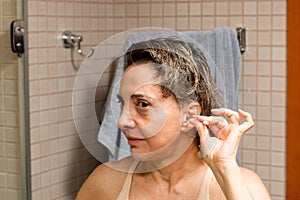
(183, 70)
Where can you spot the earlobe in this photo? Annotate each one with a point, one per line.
(191, 110)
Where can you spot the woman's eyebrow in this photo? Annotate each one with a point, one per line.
(134, 96)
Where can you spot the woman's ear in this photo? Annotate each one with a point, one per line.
(191, 109)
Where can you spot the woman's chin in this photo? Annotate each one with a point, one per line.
(154, 156)
(141, 156)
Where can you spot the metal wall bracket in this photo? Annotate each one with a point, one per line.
(17, 32)
(241, 35)
(69, 40)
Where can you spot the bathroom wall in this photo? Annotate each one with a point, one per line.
(10, 157)
(60, 163)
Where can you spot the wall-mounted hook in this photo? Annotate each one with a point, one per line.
(70, 39)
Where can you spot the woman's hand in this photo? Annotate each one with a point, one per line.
(222, 148)
(219, 152)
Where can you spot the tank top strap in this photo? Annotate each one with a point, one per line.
(204, 187)
(124, 194)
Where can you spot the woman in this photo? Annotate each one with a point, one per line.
(168, 114)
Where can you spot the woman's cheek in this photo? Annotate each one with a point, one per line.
(155, 122)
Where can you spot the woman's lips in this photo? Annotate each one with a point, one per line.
(133, 140)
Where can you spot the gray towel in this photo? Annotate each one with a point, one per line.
(221, 48)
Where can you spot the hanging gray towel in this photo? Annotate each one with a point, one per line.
(220, 46)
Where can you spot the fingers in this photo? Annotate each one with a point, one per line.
(233, 117)
(248, 123)
(208, 145)
(201, 129)
(217, 122)
(212, 120)
(203, 119)
(225, 125)
(219, 126)
(211, 145)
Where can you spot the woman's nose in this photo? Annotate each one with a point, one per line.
(125, 120)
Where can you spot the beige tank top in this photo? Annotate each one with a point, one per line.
(203, 193)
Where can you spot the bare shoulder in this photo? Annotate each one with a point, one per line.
(254, 184)
(105, 182)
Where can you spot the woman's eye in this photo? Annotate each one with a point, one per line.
(143, 104)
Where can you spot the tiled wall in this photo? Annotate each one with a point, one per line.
(263, 92)
(10, 175)
(60, 163)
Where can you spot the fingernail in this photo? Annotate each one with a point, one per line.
(201, 119)
(205, 122)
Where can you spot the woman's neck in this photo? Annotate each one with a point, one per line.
(186, 165)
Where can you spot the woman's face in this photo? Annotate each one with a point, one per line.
(148, 120)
